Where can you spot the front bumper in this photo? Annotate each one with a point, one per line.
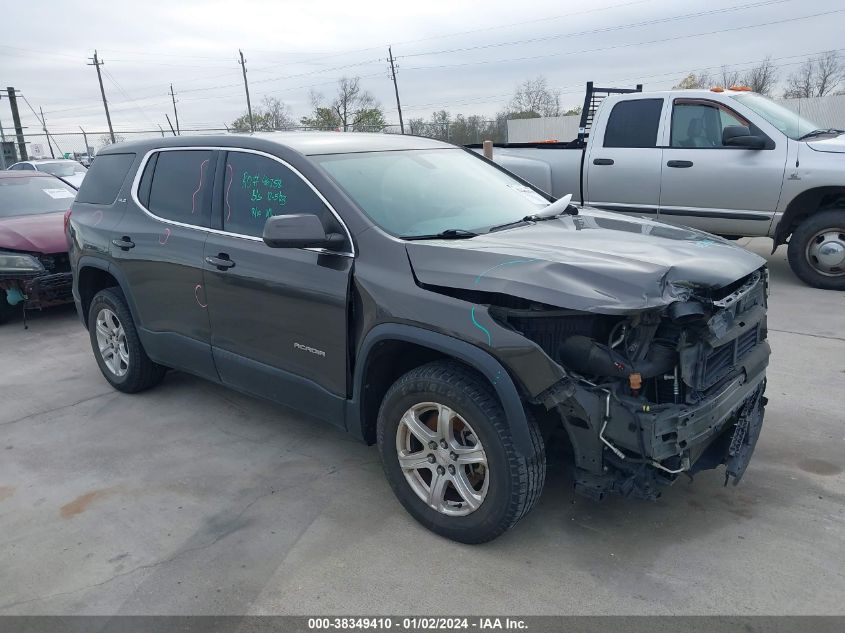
(41, 291)
(645, 448)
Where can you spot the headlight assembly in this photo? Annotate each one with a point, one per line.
(18, 263)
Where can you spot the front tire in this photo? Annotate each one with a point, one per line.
(448, 454)
(117, 348)
(816, 250)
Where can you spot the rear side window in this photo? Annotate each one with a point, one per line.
(105, 178)
(634, 123)
(180, 186)
(257, 187)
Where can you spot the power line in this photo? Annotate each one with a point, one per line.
(605, 29)
(628, 45)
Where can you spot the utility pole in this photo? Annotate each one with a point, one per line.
(2, 144)
(167, 116)
(97, 63)
(395, 87)
(175, 113)
(46, 133)
(87, 150)
(16, 120)
(246, 87)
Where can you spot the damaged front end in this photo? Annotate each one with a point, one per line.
(660, 392)
(31, 281)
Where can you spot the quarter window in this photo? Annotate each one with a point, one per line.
(105, 178)
(256, 188)
(180, 188)
(634, 123)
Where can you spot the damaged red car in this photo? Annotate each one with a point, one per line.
(34, 268)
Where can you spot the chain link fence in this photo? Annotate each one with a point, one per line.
(84, 144)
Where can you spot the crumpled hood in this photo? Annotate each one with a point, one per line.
(596, 261)
(43, 233)
(834, 144)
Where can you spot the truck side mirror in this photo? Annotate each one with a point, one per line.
(299, 230)
(740, 136)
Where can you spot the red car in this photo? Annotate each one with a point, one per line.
(34, 267)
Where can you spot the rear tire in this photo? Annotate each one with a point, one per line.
(816, 250)
(488, 485)
(117, 348)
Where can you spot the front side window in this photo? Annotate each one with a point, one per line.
(700, 125)
(634, 123)
(256, 188)
(180, 186)
(412, 193)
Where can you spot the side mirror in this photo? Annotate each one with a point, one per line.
(299, 230)
(740, 136)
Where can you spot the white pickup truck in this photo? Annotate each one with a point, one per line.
(730, 162)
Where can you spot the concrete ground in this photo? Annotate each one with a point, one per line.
(193, 499)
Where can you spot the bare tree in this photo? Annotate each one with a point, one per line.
(829, 73)
(105, 139)
(728, 77)
(535, 96)
(762, 78)
(817, 77)
(276, 114)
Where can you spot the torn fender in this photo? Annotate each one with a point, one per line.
(596, 261)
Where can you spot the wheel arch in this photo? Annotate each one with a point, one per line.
(391, 349)
(806, 204)
(92, 276)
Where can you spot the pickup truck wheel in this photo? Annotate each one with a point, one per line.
(116, 345)
(817, 250)
(448, 454)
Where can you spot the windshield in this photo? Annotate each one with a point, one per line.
(62, 168)
(411, 193)
(782, 118)
(33, 196)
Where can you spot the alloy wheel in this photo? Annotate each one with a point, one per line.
(442, 459)
(111, 341)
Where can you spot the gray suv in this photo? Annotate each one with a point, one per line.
(423, 299)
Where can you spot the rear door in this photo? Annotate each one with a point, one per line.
(622, 168)
(159, 249)
(278, 315)
(724, 190)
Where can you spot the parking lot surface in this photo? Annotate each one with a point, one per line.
(194, 499)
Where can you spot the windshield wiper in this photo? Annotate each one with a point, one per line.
(448, 234)
(556, 208)
(820, 133)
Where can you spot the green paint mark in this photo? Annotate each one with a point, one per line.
(479, 326)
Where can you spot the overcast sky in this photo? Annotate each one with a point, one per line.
(292, 47)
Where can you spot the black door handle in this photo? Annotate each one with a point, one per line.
(682, 164)
(222, 261)
(124, 243)
(602, 161)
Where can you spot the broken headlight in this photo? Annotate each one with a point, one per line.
(19, 263)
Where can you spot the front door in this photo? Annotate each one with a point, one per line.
(159, 246)
(623, 166)
(278, 315)
(706, 185)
